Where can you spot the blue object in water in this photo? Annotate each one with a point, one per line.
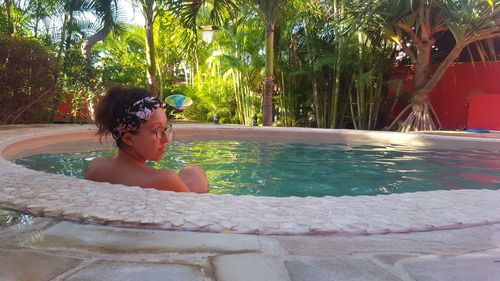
(478, 130)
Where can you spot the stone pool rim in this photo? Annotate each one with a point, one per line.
(68, 198)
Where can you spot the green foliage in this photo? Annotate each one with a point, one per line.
(121, 59)
(330, 63)
(225, 75)
(29, 77)
(5, 25)
(81, 85)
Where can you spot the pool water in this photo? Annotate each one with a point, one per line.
(299, 169)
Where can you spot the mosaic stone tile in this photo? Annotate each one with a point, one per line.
(74, 199)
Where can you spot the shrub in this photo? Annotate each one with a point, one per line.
(29, 77)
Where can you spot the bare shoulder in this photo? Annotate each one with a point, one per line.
(166, 179)
(95, 165)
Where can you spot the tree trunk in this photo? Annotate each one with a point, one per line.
(268, 101)
(88, 44)
(10, 22)
(148, 11)
(420, 78)
(269, 79)
(68, 15)
(421, 117)
(69, 32)
(37, 20)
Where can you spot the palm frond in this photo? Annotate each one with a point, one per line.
(221, 10)
(470, 20)
(187, 11)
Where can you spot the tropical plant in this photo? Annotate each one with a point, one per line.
(228, 79)
(415, 25)
(333, 68)
(175, 54)
(269, 11)
(121, 58)
(308, 63)
(239, 46)
(150, 10)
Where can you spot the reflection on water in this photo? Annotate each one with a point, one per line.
(298, 169)
(10, 218)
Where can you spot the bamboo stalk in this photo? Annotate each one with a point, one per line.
(352, 110)
(237, 96)
(370, 107)
(285, 117)
(379, 98)
(358, 102)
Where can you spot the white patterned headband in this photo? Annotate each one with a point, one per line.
(135, 116)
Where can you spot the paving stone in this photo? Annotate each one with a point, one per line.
(116, 271)
(483, 266)
(391, 259)
(338, 269)
(247, 267)
(17, 265)
(120, 240)
(495, 238)
(435, 242)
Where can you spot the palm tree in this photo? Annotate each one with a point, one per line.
(150, 9)
(414, 26)
(269, 11)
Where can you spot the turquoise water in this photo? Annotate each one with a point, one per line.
(298, 169)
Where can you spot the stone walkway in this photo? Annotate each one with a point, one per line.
(46, 249)
(440, 235)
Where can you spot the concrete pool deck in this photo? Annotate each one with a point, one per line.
(438, 235)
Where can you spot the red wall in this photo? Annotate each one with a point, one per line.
(451, 96)
(64, 109)
(484, 112)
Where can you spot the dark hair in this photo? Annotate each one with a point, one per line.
(113, 106)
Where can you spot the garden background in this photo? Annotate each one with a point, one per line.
(325, 63)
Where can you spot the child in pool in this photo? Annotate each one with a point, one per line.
(138, 124)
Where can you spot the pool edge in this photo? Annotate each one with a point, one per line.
(40, 194)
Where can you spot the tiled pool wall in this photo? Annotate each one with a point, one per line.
(67, 198)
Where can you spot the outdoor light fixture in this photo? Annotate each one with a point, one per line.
(208, 32)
